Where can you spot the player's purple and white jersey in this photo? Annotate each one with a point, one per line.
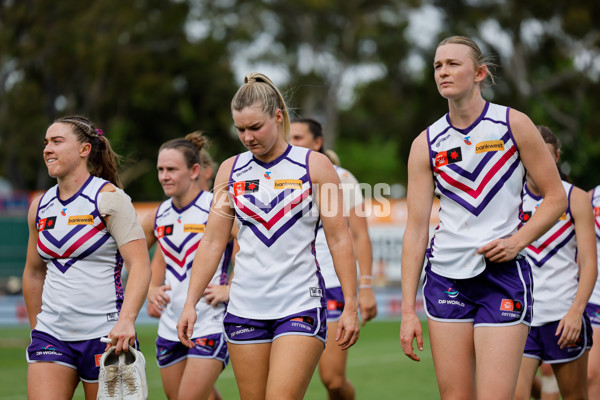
(553, 259)
(276, 272)
(595, 297)
(82, 294)
(179, 232)
(478, 176)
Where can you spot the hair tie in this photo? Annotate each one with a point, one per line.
(99, 132)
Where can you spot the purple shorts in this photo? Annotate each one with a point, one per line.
(593, 311)
(500, 296)
(211, 346)
(335, 303)
(306, 323)
(82, 355)
(543, 344)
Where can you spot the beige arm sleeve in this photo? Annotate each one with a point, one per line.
(123, 224)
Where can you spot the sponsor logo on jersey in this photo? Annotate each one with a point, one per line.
(449, 156)
(46, 223)
(511, 305)
(81, 220)
(268, 174)
(165, 230)
(47, 207)
(194, 228)
(205, 342)
(467, 141)
(563, 217)
(439, 142)
(525, 216)
(451, 292)
(243, 171)
(179, 219)
(113, 316)
(333, 305)
(316, 292)
(288, 184)
(63, 212)
(489, 145)
(597, 211)
(243, 187)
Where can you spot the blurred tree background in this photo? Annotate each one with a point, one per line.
(151, 70)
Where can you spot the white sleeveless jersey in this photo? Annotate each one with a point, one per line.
(276, 272)
(352, 198)
(478, 177)
(179, 232)
(82, 294)
(595, 297)
(553, 259)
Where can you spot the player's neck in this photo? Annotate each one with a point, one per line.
(70, 184)
(464, 111)
(189, 196)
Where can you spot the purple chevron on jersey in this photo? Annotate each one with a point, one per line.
(268, 241)
(490, 191)
(60, 242)
(269, 220)
(75, 231)
(556, 247)
(63, 267)
(481, 165)
(559, 239)
(473, 175)
(179, 248)
(176, 274)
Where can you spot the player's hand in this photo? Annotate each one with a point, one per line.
(185, 326)
(216, 294)
(569, 329)
(367, 304)
(158, 297)
(122, 336)
(500, 250)
(410, 328)
(153, 311)
(348, 327)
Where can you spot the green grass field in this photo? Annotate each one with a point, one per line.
(376, 366)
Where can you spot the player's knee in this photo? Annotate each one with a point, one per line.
(593, 374)
(335, 383)
(522, 396)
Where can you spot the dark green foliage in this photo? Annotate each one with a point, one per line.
(127, 65)
(134, 69)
